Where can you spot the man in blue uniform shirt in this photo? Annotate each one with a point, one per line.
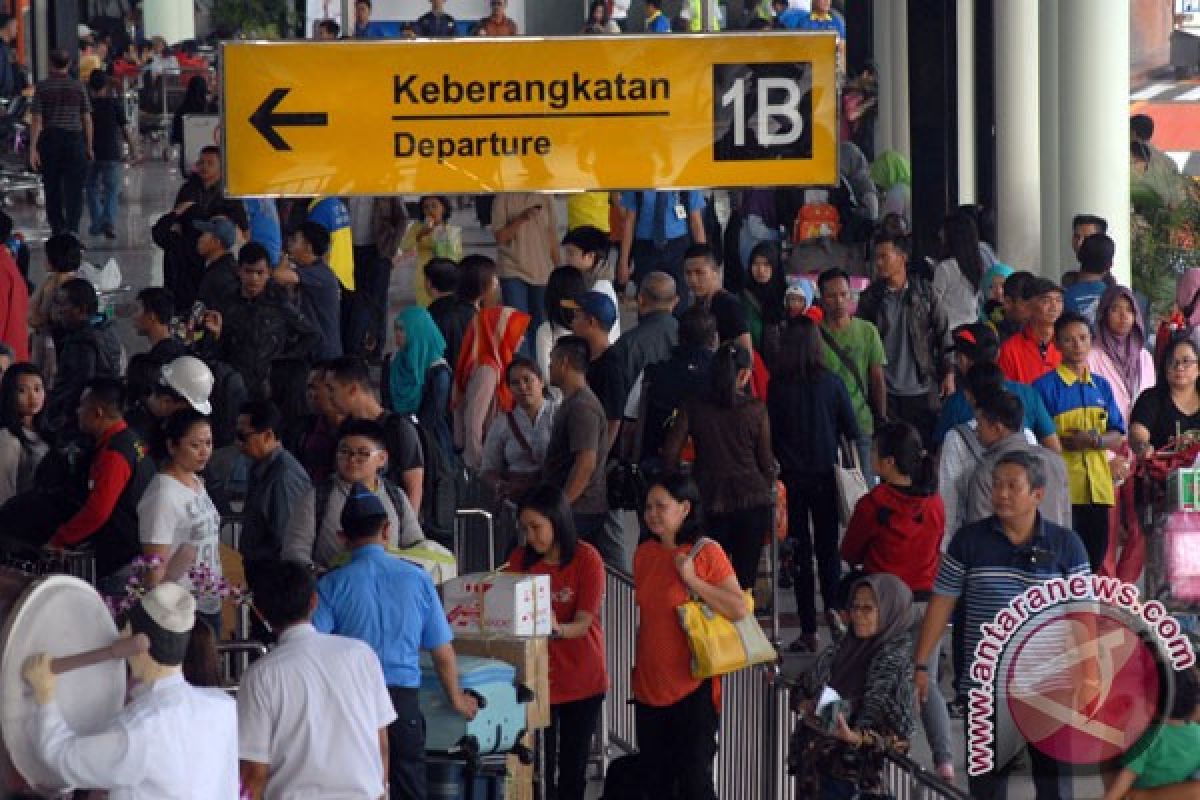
(392, 606)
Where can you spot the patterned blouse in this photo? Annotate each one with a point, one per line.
(886, 719)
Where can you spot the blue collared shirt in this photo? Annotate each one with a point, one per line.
(984, 570)
(388, 603)
(674, 224)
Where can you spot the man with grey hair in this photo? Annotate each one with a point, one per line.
(990, 563)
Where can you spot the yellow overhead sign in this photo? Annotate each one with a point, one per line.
(495, 115)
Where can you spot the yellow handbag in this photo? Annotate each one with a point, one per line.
(718, 644)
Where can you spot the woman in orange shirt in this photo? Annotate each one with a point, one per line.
(578, 679)
(676, 713)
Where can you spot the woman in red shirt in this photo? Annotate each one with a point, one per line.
(897, 528)
(578, 679)
(676, 714)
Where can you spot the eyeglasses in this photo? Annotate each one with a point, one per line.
(243, 436)
(362, 454)
(1183, 363)
(861, 609)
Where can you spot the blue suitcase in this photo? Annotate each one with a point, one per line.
(498, 726)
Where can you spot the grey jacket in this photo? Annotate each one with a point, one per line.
(276, 486)
(1056, 506)
(312, 538)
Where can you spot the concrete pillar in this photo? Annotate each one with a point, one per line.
(883, 37)
(1055, 236)
(965, 84)
(174, 20)
(1093, 73)
(901, 122)
(1018, 166)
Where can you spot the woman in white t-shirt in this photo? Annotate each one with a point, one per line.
(176, 511)
(564, 284)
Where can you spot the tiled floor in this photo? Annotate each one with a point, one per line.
(149, 189)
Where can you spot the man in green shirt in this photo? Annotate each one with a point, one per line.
(854, 352)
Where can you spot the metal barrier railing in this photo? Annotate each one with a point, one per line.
(620, 623)
(755, 727)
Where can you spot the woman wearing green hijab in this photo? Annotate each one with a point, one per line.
(893, 175)
(419, 346)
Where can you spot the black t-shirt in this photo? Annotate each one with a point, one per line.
(604, 379)
(108, 120)
(1155, 411)
(730, 316)
(403, 445)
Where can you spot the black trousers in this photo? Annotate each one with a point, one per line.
(64, 172)
(815, 498)
(406, 747)
(568, 742)
(1051, 780)
(741, 534)
(916, 410)
(364, 316)
(677, 745)
(1091, 523)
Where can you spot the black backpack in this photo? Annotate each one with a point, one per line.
(440, 485)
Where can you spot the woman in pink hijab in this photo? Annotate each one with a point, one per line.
(1119, 356)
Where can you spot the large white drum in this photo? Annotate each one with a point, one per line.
(59, 615)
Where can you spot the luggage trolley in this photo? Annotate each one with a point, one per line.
(1165, 472)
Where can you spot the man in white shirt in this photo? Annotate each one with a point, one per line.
(313, 713)
(172, 742)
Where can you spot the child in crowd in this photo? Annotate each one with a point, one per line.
(798, 300)
(1173, 753)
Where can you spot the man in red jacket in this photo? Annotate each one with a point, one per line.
(14, 298)
(117, 477)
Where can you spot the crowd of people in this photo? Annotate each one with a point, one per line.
(993, 413)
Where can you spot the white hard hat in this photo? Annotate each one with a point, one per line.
(192, 379)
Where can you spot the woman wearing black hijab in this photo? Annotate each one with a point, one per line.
(762, 297)
(871, 669)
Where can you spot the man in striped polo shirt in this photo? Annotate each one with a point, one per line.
(989, 563)
(62, 136)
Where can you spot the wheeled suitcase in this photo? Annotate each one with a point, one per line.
(450, 779)
(498, 726)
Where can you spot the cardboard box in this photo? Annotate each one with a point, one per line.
(520, 776)
(530, 656)
(499, 603)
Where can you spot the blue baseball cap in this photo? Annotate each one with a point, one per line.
(599, 306)
(361, 505)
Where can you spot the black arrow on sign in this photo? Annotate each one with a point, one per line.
(265, 120)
